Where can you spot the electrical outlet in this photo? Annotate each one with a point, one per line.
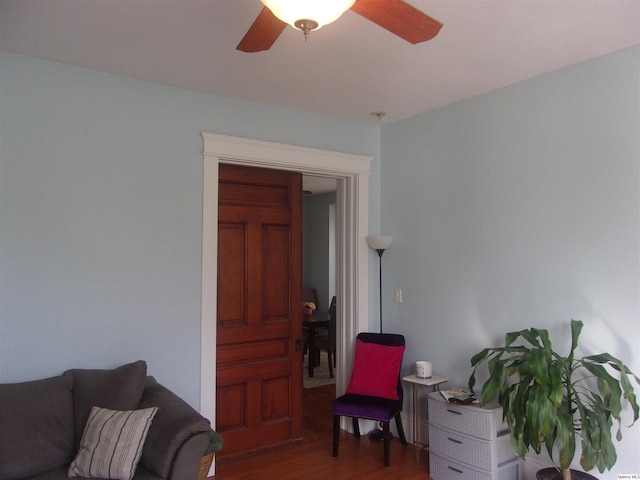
(398, 295)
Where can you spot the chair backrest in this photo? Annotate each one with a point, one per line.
(310, 295)
(332, 326)
(388, 339)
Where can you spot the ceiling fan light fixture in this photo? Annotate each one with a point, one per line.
(304, 14)
(306, 25)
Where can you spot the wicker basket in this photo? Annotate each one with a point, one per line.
(205, 464)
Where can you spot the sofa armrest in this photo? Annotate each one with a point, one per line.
(178, 435)
(189, 457)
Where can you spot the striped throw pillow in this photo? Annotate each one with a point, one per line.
(111, 444)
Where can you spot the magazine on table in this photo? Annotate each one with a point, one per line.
(461, 396)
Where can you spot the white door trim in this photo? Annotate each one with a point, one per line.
(352, 173)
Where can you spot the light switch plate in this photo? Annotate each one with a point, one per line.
(398, 295)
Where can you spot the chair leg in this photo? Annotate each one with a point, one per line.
(356, 427)
(330, 363)
(336, 434)
(403, 439)
(386, 435)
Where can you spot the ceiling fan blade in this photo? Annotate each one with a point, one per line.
(400, 18)
(263, 33)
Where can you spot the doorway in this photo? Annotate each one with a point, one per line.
(352, 175)
(318, 238)
(318, 266)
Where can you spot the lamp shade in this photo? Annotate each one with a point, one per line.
(320, 11)
(379, 242)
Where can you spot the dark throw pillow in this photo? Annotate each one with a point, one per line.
(117, 389)
(36, 427)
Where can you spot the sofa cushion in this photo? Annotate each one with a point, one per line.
(117, 389)
(37, 427)
(112, 443)
(61, 474)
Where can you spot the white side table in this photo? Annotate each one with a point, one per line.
(434, 382)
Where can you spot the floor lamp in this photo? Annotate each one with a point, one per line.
(379, 243)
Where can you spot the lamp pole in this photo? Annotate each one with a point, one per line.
(380, 243)
(380, 252)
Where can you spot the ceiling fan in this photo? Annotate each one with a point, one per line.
(396, 16)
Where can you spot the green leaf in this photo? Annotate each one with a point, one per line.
(588, 457)
(627, 387)
(541, 413)
(606, 457)
(550, 441)
(609, 388)
(632, 399)
(556, 390)
(534, 423)
(532, 336)
(565, 439)
(479, 357)
(511, 337)
(472, 380)
(576, 328)
(517, 409)
(539, 366)
(519, 443)
(492, 385)
(546, 342)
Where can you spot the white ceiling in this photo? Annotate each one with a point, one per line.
(318, 185)
(346, 69)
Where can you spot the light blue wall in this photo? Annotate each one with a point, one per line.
(515, 209)
(316, 245)
(101, 215)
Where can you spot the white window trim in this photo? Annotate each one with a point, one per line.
(352, 174)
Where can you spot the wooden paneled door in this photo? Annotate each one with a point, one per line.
(259, 336)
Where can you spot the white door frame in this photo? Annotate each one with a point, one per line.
(352, 173)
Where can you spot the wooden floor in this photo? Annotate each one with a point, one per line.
(311, 458)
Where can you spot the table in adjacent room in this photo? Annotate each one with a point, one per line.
(313, 321)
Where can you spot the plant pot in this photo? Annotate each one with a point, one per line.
(553, 473)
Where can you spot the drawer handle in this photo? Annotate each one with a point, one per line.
(455, 440)
(454, 411)
(455, 469)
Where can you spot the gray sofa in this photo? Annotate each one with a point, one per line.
(42, 422)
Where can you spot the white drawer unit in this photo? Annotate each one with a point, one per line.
(469, 443)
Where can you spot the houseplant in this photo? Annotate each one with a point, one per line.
(550, 400)
(308, 308)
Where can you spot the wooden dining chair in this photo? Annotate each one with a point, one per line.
(308, 295)
(327, 341)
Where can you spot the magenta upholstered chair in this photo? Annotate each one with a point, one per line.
(375, 389)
